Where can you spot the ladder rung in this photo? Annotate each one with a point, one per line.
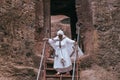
(49, 61)
(50, 69)
(57, 76)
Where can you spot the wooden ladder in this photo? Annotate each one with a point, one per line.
(49, 72)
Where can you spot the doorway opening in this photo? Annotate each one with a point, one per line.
(65, 13)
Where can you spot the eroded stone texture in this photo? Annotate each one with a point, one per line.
(17, 18)
(21, 44)
(106, 20)
(104, 34)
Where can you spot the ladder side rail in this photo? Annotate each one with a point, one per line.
(78, 38)
(74, 67)
(76, 56)
(41, 60)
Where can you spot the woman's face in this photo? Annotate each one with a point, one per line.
(60, 36)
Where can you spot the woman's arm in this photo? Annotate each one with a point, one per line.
(70, 40)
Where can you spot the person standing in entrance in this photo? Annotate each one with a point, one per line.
(61, 44)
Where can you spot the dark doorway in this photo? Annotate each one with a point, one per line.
(65, 7)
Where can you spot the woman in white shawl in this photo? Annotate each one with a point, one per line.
(63, 49)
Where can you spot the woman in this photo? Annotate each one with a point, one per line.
(62, 46)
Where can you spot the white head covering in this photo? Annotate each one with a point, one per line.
(60, 32)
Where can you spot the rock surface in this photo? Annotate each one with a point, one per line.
(20, 49)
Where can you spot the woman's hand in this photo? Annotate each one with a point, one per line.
(75, 43)
(45, 39)
(63, 62)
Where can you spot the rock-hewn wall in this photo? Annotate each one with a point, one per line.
(84, 16)
(17, 18)
(105, 35)
(19, 49)
(106, 20)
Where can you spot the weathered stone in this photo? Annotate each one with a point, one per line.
(22, 29)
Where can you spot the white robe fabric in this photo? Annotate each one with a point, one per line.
(74, 51)
(63, 53)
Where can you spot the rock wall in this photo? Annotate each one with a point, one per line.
(106, 21)
(20, 38)
(17, 20)
(84, 15)
(105, 37)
